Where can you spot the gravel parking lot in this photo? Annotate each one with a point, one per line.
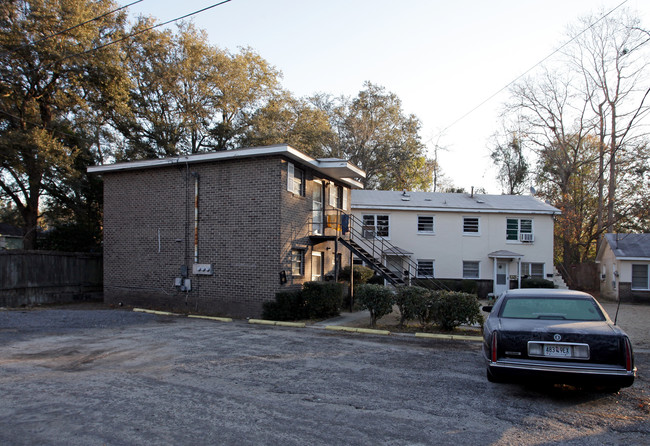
(114, 377)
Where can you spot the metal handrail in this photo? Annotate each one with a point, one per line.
(375, 246)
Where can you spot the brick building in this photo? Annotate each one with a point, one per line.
(220, 233)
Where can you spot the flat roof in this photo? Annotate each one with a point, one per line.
(449, 202)
(336, 168)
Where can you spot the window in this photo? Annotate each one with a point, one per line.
(470, 270)
(640, 277)
(336, 194)
(333, 196)
(295, 180)
(376, 225)
(470, 225)
(425, 268)
(535, 270)
(297, 262)
(560, 308)
(425, 224)
(517, 227)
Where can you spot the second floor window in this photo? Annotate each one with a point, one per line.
(519, 229)
(425, 224)
(376, 225)
(295, 180)
(338, 197)
(470, 225)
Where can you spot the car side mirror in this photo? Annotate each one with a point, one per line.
(488, 308)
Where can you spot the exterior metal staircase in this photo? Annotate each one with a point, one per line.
(373, 262)
(371, 249)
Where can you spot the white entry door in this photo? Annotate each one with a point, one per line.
(316, 266)
(501, 281)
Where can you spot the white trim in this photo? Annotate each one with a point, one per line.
(291, 173)
(647, 277)
(478, 271)
(471, 234)
(340, 170)
(384, 237)
(317, 277)
(417, 268)
(433, 225)
(362, 207)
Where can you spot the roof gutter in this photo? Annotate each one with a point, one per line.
(440, 209)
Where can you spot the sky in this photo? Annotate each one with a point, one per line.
(447, 61)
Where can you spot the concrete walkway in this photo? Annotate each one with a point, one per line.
(344, 319)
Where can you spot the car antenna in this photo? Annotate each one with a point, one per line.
(618, 306)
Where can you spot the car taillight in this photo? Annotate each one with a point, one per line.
(628, 355)
(494, 347)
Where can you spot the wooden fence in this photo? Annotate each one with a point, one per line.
(42, 277)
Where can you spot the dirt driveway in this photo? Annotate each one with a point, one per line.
(107, 377)
(635, 320)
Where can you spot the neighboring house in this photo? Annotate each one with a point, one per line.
(11, 237)
(220, 233)
(494, 240)
(625, 266)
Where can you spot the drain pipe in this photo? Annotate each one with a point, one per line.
(196, 216)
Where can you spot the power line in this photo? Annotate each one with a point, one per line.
(75, 26)
(108, 44)
(528, 71)
(113, 42)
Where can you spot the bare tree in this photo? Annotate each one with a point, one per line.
(552, 115)
(611, 56)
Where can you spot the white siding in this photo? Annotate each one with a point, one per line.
(449, 247)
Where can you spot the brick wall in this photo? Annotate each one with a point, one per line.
(296, 217)
(248, 224)
(626, 294)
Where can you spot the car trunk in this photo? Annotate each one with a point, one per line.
(603, 341)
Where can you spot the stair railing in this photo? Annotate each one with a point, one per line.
(365, 236)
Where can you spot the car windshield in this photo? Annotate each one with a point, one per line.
(551, 308)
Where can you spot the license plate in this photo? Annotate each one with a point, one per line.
(557, 351)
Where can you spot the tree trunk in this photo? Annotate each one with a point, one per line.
(601, 177)
(611, 193)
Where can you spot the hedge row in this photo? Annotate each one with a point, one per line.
(316, 300)
(447, 309)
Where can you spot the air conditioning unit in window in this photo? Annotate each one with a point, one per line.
(526, 238)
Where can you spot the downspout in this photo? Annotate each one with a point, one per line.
(196, 217)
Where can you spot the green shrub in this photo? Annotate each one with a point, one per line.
(536, 282)
(378, 299)
(413, 303)
(376, 280)
(362, 274)
(322, 299)
(287, 306)
(449, 309)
